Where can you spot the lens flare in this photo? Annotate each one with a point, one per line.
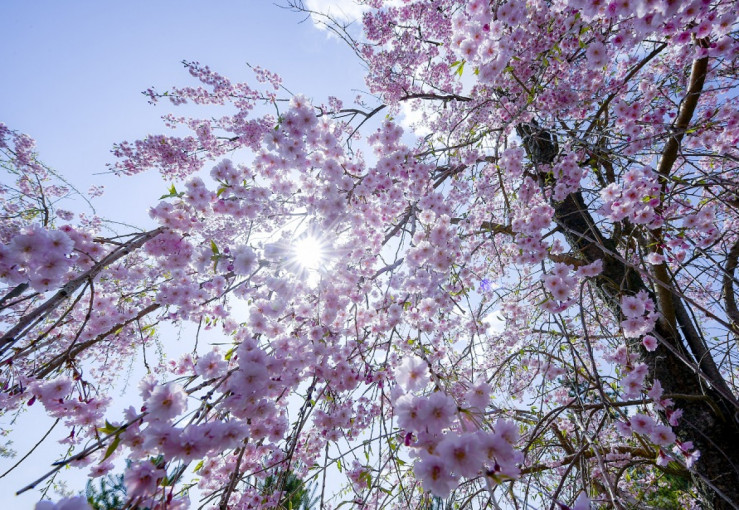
(309, 253)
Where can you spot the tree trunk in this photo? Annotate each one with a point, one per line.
(709, 414)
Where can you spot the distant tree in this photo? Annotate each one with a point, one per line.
(108, 494)
(294, 495)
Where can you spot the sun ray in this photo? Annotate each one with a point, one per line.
(309, 253)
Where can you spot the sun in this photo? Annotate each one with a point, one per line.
(309, 253)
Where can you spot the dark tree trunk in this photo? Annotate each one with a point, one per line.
(681, 362)
(709, 409)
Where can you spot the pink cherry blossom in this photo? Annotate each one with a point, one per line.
(142, 478)
(649, 342)
(462, 453)
(642, 424)
(166, 402)
(434, 475)
(573, 180)
(72, 503)
(597, 55)
(211, 365)
(412, 374)
(437, 411)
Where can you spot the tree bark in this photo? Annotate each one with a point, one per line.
(709, 415)
(728, 290)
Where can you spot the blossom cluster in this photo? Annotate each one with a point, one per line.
(635, 198)
(439, 434)
(385, 346)
(640, 315)
(39, 257)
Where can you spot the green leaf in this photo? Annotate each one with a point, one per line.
(459, 64)
(367, 477)
(214, 248)
(109, 428)
(112, 446)
(230, 354)
(173, 193)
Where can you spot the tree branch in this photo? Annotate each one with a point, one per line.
(728, 289)
(687, 109)
(62, 294)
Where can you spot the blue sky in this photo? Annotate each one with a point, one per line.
(73, 72)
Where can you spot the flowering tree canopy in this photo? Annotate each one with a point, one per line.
(530, 302)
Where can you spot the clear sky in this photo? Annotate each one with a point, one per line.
(73, 73)
(72, 76)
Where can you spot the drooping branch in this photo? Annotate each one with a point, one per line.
(698, 348)
(700, 421)
(10, 337)
(76, 349)
(670, 363)
(604, 105)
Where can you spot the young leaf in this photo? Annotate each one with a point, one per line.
(113, 446)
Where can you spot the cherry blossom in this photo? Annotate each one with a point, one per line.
(577, 181)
